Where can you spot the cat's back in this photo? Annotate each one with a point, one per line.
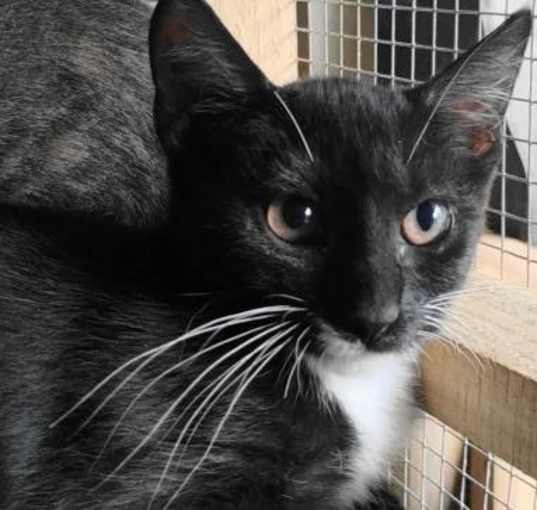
(76, 109)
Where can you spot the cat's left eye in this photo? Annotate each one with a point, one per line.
(427, 222)
(293, 219)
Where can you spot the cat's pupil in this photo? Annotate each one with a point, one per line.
(297, 214)
(426, 215)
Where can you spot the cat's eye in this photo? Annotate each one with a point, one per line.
(293, 219)
(427, 222)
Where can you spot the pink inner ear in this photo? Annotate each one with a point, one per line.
(174, 31)
(481, 141)
(481, 138)
(468, 105)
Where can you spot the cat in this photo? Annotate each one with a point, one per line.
(217, 299)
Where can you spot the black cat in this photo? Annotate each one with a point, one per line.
(232, 322)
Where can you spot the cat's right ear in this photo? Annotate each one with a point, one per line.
(198, 68)
(464, 105)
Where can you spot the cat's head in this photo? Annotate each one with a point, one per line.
(365, 202)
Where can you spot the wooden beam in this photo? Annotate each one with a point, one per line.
(267, 31)
(509, 260)
(491, 398)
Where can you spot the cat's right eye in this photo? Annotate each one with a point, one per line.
(293, 219)
(426, 223)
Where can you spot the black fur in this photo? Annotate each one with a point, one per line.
(103, 236)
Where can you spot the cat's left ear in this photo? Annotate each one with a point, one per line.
(465, 104)
(198, 67)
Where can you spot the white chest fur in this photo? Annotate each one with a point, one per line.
(374, 391)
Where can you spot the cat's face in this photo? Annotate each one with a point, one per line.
(367, 210)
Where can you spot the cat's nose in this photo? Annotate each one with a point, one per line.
(372, 323)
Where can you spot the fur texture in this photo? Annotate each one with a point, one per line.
(161, 345)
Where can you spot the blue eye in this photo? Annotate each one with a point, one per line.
(425, 215)
(426, 222)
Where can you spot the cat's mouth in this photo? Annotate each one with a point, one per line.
(337, 342)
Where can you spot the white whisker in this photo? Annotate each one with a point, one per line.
(242, 376)
(176, 403)
(271, 341)
(192, 401)
(145, 363)
(296, 124)
(284, 366)
(448, 296)
(296, 362)
(166, 372)
(287, 296)
(231, 406)
(451, 337)
(229, 320)
(299, 368)
(450, 343)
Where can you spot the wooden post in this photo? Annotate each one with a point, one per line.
(267, 31)
(490, 396)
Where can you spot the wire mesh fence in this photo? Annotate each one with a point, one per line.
(403, 43)
(443, 470)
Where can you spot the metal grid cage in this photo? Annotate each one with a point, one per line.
(442, 470)
(403, 43)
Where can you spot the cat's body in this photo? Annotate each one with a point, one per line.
(104, 236)
(296, 454)
(70, 87)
